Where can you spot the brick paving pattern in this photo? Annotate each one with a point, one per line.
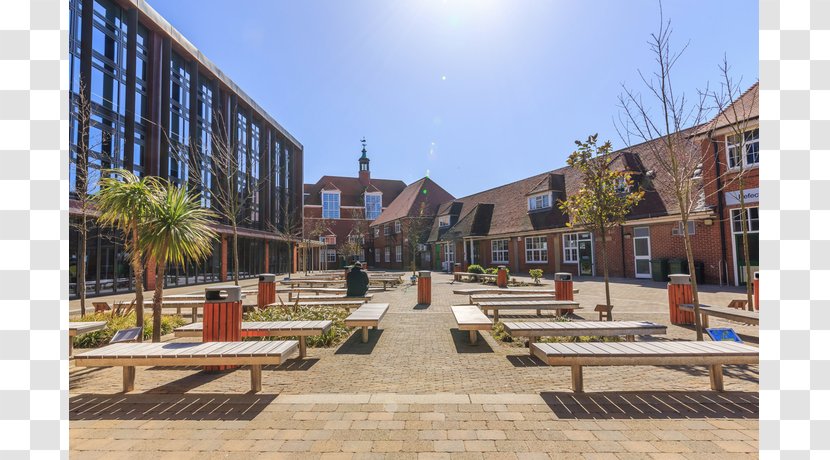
(418, 390)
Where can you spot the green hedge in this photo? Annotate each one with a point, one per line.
(475, 268)
(116, 323)
(337, 334)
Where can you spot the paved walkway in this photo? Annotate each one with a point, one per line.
(417, 387)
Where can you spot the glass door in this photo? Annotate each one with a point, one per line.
(586, 254)
(642, 253)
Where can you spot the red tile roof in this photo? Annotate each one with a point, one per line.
(351, 190)
(408, 202)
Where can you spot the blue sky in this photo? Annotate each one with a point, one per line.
(477, 92)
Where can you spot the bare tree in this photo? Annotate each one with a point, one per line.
(674, 148)
(735, 113)
(415, 230)
(353, 246)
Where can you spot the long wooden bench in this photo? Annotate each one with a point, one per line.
(470, 318)
(478, 298)
(130, 355)
(537, 305)
(326, 297)
(77, 328)
(347, 304)
(268, 329)
(323, 291)
(664, 353)
(459, 276)
(368, 315)
(740, 316)
(384, 281)
(311, 283)
(533, 330)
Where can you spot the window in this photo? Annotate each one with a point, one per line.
(444, 221)
(499, 250)
(678, 231)
(569, 248)
(331, 205)
(386, 254)
(397, 226)
(373, 205)
(536, 249)
(377, 231)
(329, 239)
(751, 219)
(177, 167)
(538, 202)
(331, 256)
(749, 155)
(377, 256)
(386, 230)
(398, 253)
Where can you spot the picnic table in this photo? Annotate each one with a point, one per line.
(537, 305)
(740, 316)
(77, 328)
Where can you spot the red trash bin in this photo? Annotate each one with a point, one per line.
(564, 286)
(755, 291)
(680, 292)
(222, 317)
(267, 290)
(424, 287)
(501, 277)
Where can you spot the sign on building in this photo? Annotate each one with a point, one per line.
(751, 195)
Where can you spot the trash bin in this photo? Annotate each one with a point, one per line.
(699, 272)
(676, 267)
(659, 270)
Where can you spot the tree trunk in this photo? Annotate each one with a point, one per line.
(81, 274)
(745, 242)
(235, 256)
(138, 276)
(161, 269)
(605, 269)
(692, 278)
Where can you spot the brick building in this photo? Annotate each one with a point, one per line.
(155, 103)
(338, 210)
(399, 235)
(519, 225)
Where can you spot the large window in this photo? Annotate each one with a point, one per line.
(444, 221)
(373, 205)
(398, 253)
(397, 226)
(205, 141)
(499, 250)
(377, 256)
(751, 217)
(386, 254)
(141, 103)
(177, 171)
(386, 230)
(538, 202)
(331, 255)
(255, 179)
(570, 251)
(747, 156)
(331, 205)
(536, 249)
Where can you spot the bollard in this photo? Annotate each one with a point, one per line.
(424, 287)
(564, 286)
(222, 317)
(501, 277)
(267, 290)
(680, 292)
(755, 290)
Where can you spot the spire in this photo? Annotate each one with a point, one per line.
(363, 141)
(363, 171)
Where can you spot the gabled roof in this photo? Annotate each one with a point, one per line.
(351, 190)
(329, 187)
(408, 202)
(744, 108)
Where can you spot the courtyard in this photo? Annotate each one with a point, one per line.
(418, 389)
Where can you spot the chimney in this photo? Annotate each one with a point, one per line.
(364, 175)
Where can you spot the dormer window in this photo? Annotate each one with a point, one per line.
(622, 186)
(443, 221)
(331, 205)
(373, 205)
(540, 201)
(397, 226)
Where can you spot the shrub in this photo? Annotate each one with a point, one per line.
(338, 332)
(535, 273)
(491, 271)
(116, 323)
(475, 268)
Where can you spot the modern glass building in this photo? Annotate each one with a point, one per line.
(156, 104)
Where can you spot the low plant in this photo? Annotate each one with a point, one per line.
(491, 271)
(475, 268)
(536, 274)
(117, 322)
(337, 334)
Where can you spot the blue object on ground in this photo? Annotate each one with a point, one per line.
(723, 333)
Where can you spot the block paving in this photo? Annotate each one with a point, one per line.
(419, 390)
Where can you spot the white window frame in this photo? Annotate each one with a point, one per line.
(377, 231)
(332, 214)
(536, 255)
(443, 221)
(539, 201)
(386, 253)
(570, 248)
(753, 223)
(746, 145)
(386, 230)
(497, 253)
(398, 253)
(397, 226)
(370, 215)
(329, 239)
(678, 231)
(377, 255)
(331, 256)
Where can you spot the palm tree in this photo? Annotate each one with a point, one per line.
(176, 230)
(124, 201)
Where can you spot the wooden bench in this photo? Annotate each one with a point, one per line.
(738, 304)
(478, 298)
(459, 276)
(533, 330)
(130, 355)
(740, 316)
(322, 291)
(537, 305)
(77, 328)
(385, 282)
(504, 291)
(326, 297)
(470, 318)
(368, 315)
(312, 283)
(347, 304)
(101, 307)
(604, 311)
(664, 353)
(268, 329)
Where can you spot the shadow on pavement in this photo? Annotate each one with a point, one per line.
(461, 340)
(295, 364)
(525, 361)
(353, 345)
(168, 407)
(421, 306)
(653, 405)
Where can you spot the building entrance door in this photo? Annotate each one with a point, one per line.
(642, 253)
(586, 254)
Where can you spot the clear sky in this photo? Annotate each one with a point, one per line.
(477, 92)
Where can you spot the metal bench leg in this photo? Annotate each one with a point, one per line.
(365, 335)
(302, 347)
(129, 378)
(576, 378)
(256, 378)
(716, 377)
(473, 337)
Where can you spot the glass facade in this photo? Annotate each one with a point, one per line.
(117, 58)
